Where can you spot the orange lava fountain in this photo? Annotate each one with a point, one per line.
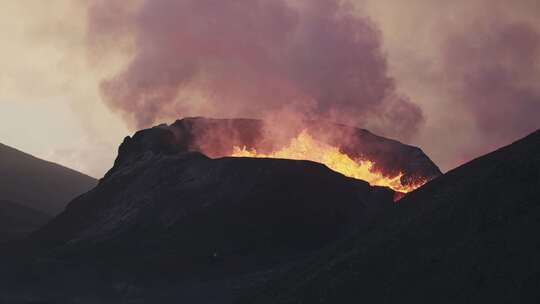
(304, 147)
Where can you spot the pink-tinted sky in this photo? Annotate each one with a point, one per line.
(457, 78)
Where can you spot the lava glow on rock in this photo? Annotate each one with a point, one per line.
(304, 147)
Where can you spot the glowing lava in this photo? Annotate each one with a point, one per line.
(304, 147)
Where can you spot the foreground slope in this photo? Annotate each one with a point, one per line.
(17, 221)
(39, 184)
(469, 236)
(188, 228)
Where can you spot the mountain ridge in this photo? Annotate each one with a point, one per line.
(37, 183)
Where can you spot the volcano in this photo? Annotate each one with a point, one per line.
(353, 152)
(169, 222)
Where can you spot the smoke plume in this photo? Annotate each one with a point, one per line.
(495, 73)
(250, 58)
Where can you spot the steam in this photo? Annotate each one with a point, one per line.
(495, 73)
(250, 58)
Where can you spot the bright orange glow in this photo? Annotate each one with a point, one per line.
(304, 147)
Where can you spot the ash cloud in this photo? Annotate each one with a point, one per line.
(251, 58)
(494, 71)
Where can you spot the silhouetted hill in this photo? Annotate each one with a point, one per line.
(39, 184)
(469, 236)
(17, 221)
(207, 226)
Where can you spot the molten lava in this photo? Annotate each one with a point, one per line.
(304, 147)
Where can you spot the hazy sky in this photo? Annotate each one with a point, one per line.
(457, 78)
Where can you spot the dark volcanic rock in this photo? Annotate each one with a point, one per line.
(203, 228)
(219, 201)
(217, 137)
(39, 184)
(469, 236)
(17, 221)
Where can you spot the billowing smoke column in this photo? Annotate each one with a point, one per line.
(251, 58)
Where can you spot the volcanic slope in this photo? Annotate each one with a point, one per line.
(184, 227)
(469, 236)
(17, 221)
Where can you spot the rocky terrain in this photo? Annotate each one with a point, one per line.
(469, 236)
(185, 218)
(17, 221)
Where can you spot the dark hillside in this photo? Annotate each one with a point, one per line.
(39, 184)
(469, 236)
(17, 221)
